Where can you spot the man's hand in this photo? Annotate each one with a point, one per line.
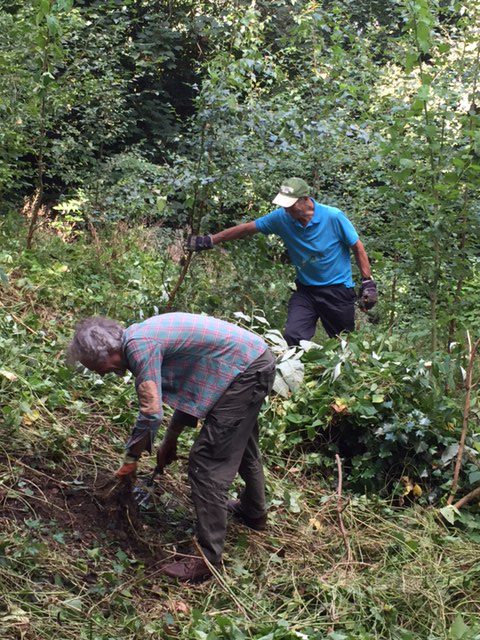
(368, 295)
(199, 243)
(128, 469)
(166, 453)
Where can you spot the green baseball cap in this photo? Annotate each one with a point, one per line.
(290, 191)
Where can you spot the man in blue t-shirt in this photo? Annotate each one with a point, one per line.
(318, 239)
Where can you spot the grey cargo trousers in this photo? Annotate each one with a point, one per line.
(226, 445)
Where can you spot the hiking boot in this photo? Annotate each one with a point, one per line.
(188, 570)
(235, 508)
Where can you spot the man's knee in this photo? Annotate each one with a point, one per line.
(251, 465)
(292, 339)
(293, 334)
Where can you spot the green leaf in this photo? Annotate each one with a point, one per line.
(366, 410)
(295, 418)
(53, 25)
(43, 9)
(169, 619)
(473, 477)
(431, 131)
(458, 629)
(416, 106)
(450, 513)
(423, 92)
(423, 36)
(64, 5)
(161, 204)
(3, 276)
(411, 61)
(291, 501)
(74, 603)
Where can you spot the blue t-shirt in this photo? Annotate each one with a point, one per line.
(320, 251)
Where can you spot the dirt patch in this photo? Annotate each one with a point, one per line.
(115, 499)
(98, 509)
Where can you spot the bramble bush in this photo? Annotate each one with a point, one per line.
(389, 412)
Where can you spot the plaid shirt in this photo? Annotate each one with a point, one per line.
(185, 360)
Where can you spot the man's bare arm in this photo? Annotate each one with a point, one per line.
(361, 259)
(235, 233)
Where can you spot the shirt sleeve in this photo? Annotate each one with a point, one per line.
(345, 229)
(147, 366)
(269, 223)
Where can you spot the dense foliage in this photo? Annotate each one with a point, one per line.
(186, 114)
(125, 125)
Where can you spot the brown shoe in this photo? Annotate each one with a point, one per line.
(235, 508)
(188, 570)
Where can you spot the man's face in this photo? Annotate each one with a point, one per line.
(298, 209)
(113, 364)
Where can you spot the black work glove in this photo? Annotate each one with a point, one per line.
(368, 295)
(199, 243)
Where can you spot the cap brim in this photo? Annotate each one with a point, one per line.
(284, 201)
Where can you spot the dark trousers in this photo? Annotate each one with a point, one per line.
(334, 305)
(226, 445)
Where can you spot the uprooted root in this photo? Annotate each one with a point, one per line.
(116, 498)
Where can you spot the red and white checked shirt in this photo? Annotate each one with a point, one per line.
(185, 360)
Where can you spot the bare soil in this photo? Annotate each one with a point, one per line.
(99, 509)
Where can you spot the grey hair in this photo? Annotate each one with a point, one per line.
(95, 339)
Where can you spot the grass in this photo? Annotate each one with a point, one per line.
(63, 571)
(71, 568)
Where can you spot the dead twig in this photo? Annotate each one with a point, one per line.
(179, 282)
(41, 473)
(472, 349)
(343, 531)
(20, 321)
(220, 580)
(468, 498)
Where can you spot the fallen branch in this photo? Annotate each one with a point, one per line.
(468, 498)
(472, 349)
(339, 510)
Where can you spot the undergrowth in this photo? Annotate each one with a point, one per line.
(67, 572)
(64, 573)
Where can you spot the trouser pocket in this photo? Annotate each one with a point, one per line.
(217, 440)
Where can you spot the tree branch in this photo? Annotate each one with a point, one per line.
(472, 349)
(339, 509)
(468, 498)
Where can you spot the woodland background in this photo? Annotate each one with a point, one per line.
(124, 126)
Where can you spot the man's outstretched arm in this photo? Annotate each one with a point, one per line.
(200, 243)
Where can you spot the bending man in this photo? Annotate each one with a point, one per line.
(318, 239)
(203, 368)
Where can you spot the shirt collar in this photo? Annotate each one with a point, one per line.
(317, 214)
